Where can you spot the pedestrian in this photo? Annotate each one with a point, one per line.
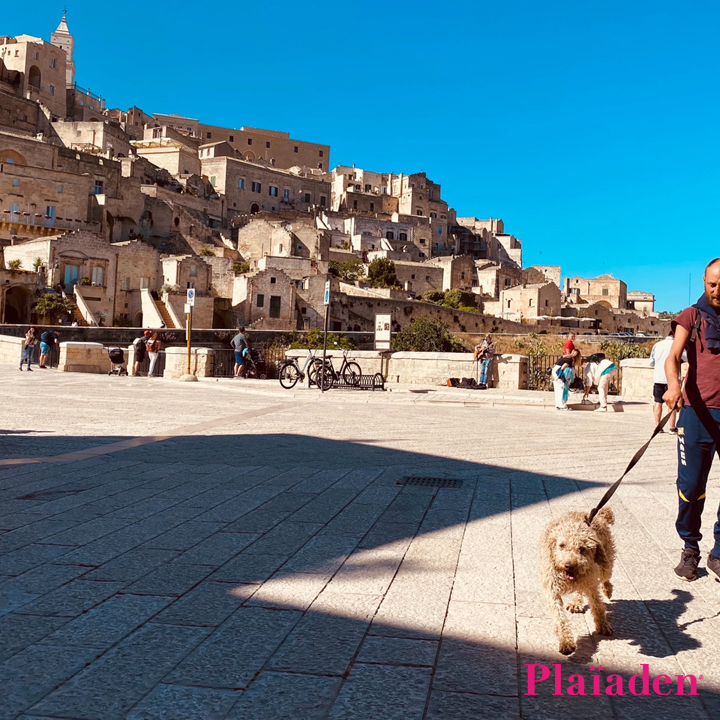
(153, 350)
(240, 346)
(658, 356)
(599, 371)
(485, 354)
(47, 340)
(697, 331)
(562, 374)
(28, 348)
(569, 346)
(140, 345)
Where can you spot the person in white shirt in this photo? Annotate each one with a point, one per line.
(658, 356)
(599, 370)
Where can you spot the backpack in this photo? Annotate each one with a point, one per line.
(137, 342)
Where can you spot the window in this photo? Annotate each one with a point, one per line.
(52, 89)
(241, 183)
(98, 276)
(275, 301)
(267, 144)
(193, 271)
(372, 207)
(260, 300)
(507, 282)
(427, 278)
(249, 141)
(273, 191)
(323, 200)
(422, 241)
(296, 149)
(547, 302)
(286, 195)
(60, 189)
(213, 180)
(144, 283)
(209, 136)
(320, 166)
(273, 280)
(605, 291)
(322, 153)
(418, 212)
(403, 236)
(16, 183)
(530, 302)
(433, 215)
(125, 284)
(462, 275)
(256, 187)
(307, 197)
(412, 277)
(53, 63)
(509, 304)
(354, 201)
(390, 235)
(98, 189)
(14, 209)
(440, 231)
(231, 138)
(368, 188)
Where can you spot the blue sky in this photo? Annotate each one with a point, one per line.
(590, 128)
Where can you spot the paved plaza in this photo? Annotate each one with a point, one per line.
(217, 550)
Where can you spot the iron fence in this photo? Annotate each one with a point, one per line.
(53, 358)
(144, 366)
(272, 357)
(539, 378)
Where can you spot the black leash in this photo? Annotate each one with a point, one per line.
(635, 459)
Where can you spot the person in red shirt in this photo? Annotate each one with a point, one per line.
(569, 345)
(697, 331)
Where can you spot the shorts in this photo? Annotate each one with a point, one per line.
(44, 348)
(239, 357)
(659, 389)
(140, 353)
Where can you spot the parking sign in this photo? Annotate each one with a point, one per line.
(191, 296)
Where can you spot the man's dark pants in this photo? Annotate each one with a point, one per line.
(696, 448)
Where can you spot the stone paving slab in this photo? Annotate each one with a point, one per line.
(265, 563)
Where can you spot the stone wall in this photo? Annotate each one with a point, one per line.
(84, 357)
(201, 362)
(637, 379)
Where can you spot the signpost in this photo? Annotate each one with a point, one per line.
(189, 304)
(320, 375)
(383, 332)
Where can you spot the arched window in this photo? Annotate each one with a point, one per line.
(34, 77)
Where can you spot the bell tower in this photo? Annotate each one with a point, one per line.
(63, 39)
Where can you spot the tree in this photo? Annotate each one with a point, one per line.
(458, 299)
(426, 334)
(52, 307)
(314, 339)
(14, 265)
(349, 271)
(381, 273)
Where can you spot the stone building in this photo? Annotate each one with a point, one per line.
(266, 300)
(529, 302)
(604, 289)
(97, 138)
(284, 235)
(18, 290)
(253, 187)
(643, 303)
(276, 148)
(170, 149)
(458, 272)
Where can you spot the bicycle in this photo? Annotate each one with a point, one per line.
(349, 371)
(290, 371)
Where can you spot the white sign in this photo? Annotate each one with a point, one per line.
(191, 296)
(327, 292)
(187, 308)
(383, 332)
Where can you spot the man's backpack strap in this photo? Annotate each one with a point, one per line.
(696, 327)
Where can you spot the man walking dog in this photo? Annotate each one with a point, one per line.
(697, 330)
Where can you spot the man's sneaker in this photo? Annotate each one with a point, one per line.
(687, 569)
(713, 564)
(673, 431)
(601, 409)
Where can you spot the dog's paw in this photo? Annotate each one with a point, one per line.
(608, 589)
(605, 628)
(575, 606)
(567, 647)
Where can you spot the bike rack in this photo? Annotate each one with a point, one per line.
(366, 382)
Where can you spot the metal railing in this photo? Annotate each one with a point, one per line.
(273, 356)
(144, 366)
(539, 378)
(53, 358)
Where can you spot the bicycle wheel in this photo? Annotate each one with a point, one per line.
(326, 377)
(312, 370)
(289, 375)
(352, 373)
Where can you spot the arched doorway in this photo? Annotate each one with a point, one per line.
(254, 208)
(138, 320)
(34, 77)
(18, 304)
(249, 155)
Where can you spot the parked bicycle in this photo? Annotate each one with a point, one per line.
(349, 371)
(290, 371)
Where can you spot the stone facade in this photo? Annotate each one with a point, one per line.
(605, 289)
(528, 302)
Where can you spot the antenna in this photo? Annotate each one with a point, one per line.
(689, 288)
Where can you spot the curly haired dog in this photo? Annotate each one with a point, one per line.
(577, 558)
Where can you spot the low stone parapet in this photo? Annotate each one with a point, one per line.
(84, 357)
(201, 362)
(10, 349)
(637, 379)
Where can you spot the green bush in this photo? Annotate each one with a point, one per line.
(240, 268)
(426, 334)
(458, 299)
(52, 306)
(618, 350)
(37, 264)
(14, 265)
(314, 340)
(85, 282)
(349, 271)
(381, 273)
(206, 252)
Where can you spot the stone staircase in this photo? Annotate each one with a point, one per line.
(77, 315)
(164, 314)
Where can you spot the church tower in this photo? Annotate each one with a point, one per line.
(63, 39)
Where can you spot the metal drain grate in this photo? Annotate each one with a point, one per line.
(434, 482)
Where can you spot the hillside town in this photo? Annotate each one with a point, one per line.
(119, 211)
